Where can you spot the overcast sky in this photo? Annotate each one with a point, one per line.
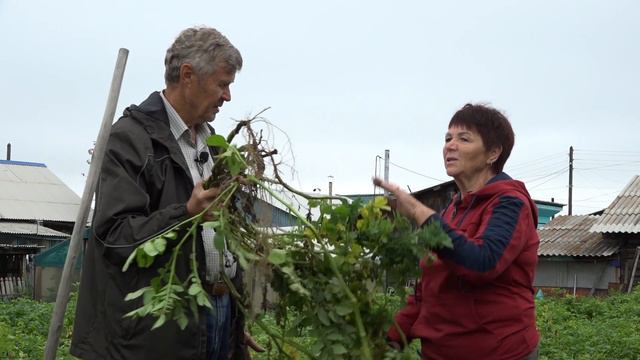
(346, 80)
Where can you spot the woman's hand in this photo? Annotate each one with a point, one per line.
(404, 203)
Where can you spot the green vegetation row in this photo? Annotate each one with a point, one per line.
(572, 328)
(590, 328)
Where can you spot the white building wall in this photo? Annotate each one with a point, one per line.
(567, 274)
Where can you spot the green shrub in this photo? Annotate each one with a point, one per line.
(24, 326)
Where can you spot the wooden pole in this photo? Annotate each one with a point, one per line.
(570, 180)
(62, 298)
(633, 270)
(386, 169)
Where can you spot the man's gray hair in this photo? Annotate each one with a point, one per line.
(205, 49)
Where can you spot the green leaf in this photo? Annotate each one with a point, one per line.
(148, 296)
(317, 347)
(277, 256)
(234, 166)
(203, 300)
(322, 316)
(136, 294)
(297, 287)
(344, 308)
(172, 235)
(129, 260)
(182, 320)
(135, 313)
(160, 244)
(150, 249)
(142, 259)
(161, 320)
(380, 202)
(177, 288)
(211, 224)
(333, 316)
(218, 141)
(338, 349)
(218, 241)
(194, 289)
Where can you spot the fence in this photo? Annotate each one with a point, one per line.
(11, 286)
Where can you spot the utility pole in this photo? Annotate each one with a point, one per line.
(8, 151)
(570, 180)
(386, 169)
(330, 185)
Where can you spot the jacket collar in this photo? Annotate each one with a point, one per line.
(483, 191)
(499, 177)
(152, 115)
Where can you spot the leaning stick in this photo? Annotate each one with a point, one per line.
(62, 298)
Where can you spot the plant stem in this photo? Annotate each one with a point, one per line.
(281, 182)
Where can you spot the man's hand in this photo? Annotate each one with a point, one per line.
(201, 199)
(404, 203)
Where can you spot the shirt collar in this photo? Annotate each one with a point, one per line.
(177, 125)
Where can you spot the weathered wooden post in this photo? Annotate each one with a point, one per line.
(62, 298)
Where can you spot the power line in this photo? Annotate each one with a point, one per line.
(611, 165)
(524, 173)
(415, 172)
(608, 151)
(542, 177)
(537, 160)
(597, 196)
(549, 179)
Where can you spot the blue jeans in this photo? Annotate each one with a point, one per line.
(218, 327)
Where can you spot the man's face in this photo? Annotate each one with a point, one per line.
(206, 94)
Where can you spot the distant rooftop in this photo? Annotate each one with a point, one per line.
(23, 163)
(29, 228)
(30, 191)
(570, 236)
(623, 215)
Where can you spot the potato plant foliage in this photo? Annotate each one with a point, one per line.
(325, 270)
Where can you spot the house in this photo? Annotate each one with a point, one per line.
(30, 192)
(620, 222)
(573, 258)
(37, 211)
(591, 254)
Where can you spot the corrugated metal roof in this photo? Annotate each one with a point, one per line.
(30, 191)
(623, 215)
(29, 229)
(25, 246)
(570, 236)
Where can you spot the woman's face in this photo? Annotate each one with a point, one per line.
(464, 153)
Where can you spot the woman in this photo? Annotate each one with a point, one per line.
(476, 301)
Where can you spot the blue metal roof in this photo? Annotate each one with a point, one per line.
(23, 163)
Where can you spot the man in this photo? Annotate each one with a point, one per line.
(151, 179)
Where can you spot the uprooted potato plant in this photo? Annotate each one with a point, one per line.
(326, 270)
